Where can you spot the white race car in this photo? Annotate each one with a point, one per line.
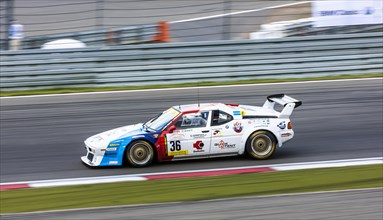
(196, 131)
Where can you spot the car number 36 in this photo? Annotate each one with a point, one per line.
(175, 145)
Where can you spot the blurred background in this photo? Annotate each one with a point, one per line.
(151, 42)
(116, 22)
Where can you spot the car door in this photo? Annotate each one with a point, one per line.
(226, 133)
(191, 137)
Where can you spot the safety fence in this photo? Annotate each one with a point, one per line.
(172, 63)
(117, 22)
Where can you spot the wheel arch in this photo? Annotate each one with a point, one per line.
(247, 135)
(271, 132)
(124, 159)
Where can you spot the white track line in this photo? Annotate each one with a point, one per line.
(328, 164)
(186, 88)
(75, 182)
(142, 177)
(239, 12)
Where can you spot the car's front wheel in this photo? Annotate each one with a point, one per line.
(260, 145)
(139, 154)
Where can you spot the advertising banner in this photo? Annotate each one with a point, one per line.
(346, 12)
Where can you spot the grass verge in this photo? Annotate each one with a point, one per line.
(189, 189)
(102, 89)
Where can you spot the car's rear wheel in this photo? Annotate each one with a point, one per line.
(261, 145)
(139, 154)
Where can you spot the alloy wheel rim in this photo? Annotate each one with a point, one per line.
(261, 145)
(140, 154)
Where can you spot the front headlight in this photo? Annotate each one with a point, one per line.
(91, 149)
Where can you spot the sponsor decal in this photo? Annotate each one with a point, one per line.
(176, 136)
(197, 136)
(186, 130)
(282, 125)
(224, 145)
(113, 162)
(286, 135)
(114, 145)
(368, 11)
(175, 153)
(262, 121)
(238, 127)
(227, 126)
(155, 135)
(338, 12)
(343, 12)
(198, 146)
(138, 136)
(111, 149)
(365, 11)
(217, 132)
(238, 113)
(110, 154)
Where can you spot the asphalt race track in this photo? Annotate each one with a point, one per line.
(355, 204)
(42, 137)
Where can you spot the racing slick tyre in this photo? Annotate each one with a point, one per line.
(260, 145)
(139, 154)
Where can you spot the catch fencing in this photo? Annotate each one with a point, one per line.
(173, 63)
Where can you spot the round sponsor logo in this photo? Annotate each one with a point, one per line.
(238, 127)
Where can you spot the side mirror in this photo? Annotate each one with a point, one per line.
(172, 128)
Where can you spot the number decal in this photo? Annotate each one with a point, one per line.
(176, 145)
(175, 149)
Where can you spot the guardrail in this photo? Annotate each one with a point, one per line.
(172, 63)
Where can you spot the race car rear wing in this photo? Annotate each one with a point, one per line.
(288, 102)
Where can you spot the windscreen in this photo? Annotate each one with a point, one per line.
(160, 121)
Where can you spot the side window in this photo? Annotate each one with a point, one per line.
(220, 118)
(192, 120)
